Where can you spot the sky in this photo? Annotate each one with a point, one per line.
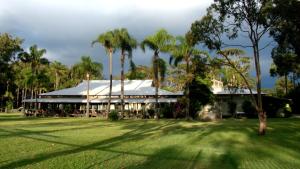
(66, 28)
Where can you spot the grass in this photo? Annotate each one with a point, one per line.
(94, 143)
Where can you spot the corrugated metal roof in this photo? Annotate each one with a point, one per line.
(101, 88)
(81, 100)
(235, 92)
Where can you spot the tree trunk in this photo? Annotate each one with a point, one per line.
(22, 97)
(110, 82)
(187, 94)
(285, 83)
(88, 98)
(155, 67)
(25, 96)
(35, 98)
(261, 114)
(56, 80)
(18, 95)
(122, 82)
(31, 97)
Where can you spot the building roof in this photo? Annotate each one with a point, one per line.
(234, 92)
(101, 88)
(82, 100)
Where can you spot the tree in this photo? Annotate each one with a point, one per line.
(233, 18)
(282, 85)
(109, 41)
(60, 73)
(141, 72)
(234, 66)
(86, 65)
(176, 78)
(9, 48)
(161, 41)
(35, 60)
(200, 86)
(236, 73)
(285, 62)
(126, 44)
(286, 28)
(184, 51)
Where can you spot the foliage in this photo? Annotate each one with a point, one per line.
(274, 105)
(9, 47)
(139, 72)
(249, 109)
(199, 88)
(113, 115)
(281, 86)
(151, 112)
(232, 107)
(58, 74)
(294, 94)
(286, 30)
(234, 69)
(86, 65)
(166, 110)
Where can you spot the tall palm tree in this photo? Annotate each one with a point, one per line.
(161, 41)
(126, 44)
(109, 41)
(184, 51)
(36, 60)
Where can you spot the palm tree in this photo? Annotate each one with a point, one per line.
(161, 41)
(35, 59)
(109, 41)
(184, 51)
(86, 65)
(126, 44)
(59, 70)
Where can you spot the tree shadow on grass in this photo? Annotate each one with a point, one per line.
(105, 145)
(174, 156)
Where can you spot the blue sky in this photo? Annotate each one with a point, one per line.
(66, 28)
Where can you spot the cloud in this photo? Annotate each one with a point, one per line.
(67, 28)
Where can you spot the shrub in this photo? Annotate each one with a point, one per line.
(166, 111)
(294, 94)
(284, 112)
(231, 107)
(249, 109)
(276, 106)
(151, 112)
(113, 115)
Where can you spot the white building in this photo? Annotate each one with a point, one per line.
(138, 94)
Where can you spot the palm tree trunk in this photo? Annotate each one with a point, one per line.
(35, 98)
(87, 114)
(31, 97)
(155, 67)
(25, 96)
(187, 93)
(122, 82)
(110, 82)
(56, 80)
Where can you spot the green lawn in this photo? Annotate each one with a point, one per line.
(94, 143)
